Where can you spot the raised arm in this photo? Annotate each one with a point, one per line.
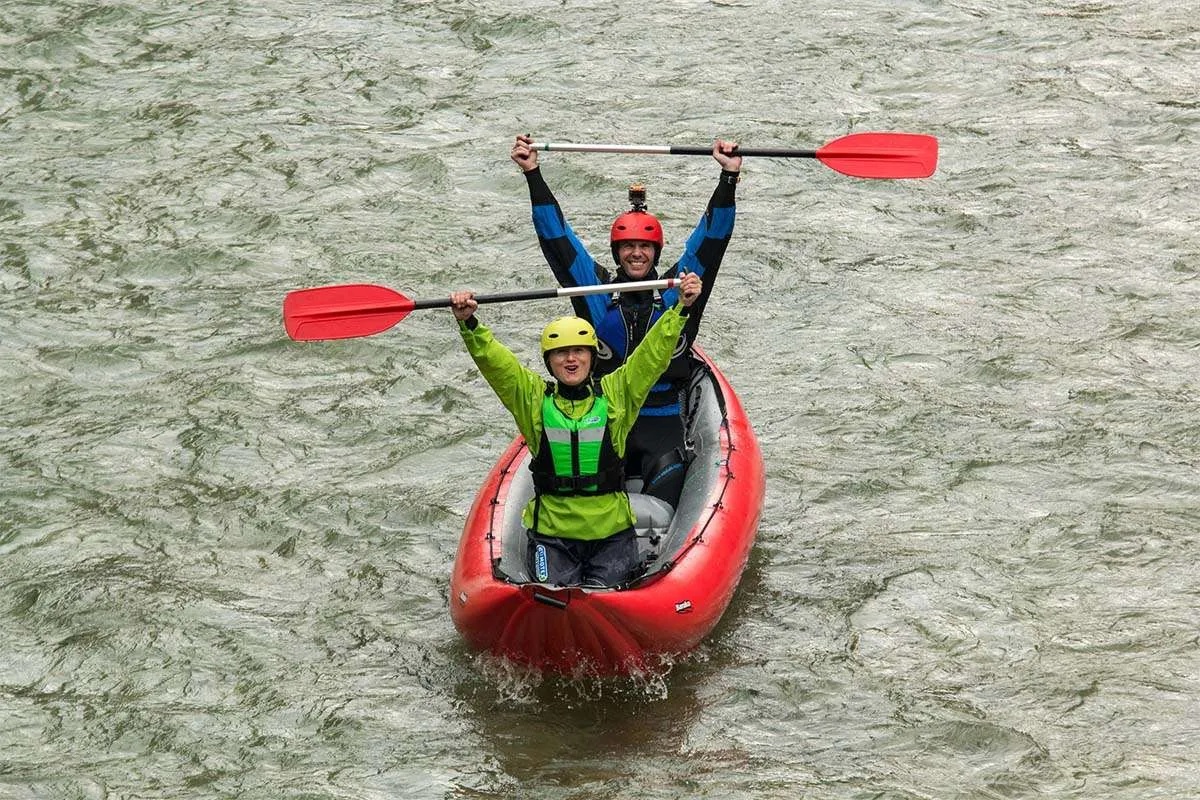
(566, 255)
(518, 387)
(705, 247)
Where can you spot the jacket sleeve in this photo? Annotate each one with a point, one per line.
(520, 389)
(569, 260)
(705, 248)
(628, 386)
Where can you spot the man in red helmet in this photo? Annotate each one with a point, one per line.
(656, 447)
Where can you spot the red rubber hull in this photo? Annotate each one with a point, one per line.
(577, 631)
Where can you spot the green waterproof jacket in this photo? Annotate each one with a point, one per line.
(521, 391)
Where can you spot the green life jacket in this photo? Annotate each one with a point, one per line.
(576, 457)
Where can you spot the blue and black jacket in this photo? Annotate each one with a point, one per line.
(622, 320)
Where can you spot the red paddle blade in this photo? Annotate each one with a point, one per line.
(342, 312)
(882, 155)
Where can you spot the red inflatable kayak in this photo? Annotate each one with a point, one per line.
(694, 556)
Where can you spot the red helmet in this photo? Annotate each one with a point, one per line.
(637, 226)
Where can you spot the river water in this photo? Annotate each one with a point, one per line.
(224, 555)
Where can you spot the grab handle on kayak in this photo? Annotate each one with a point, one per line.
(550, 600)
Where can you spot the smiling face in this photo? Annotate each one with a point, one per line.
(570, 365)
(636, 257)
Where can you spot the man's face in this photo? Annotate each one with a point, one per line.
(636, 257)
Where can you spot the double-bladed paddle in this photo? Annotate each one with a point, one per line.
(860, 155)
(364, 309)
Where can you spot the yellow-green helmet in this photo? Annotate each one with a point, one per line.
(568, 332)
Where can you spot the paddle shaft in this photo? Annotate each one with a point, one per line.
(567, 291)
(669, 150)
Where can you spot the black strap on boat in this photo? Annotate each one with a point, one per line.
(553, 602)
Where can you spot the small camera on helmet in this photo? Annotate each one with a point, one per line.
(637, 197)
